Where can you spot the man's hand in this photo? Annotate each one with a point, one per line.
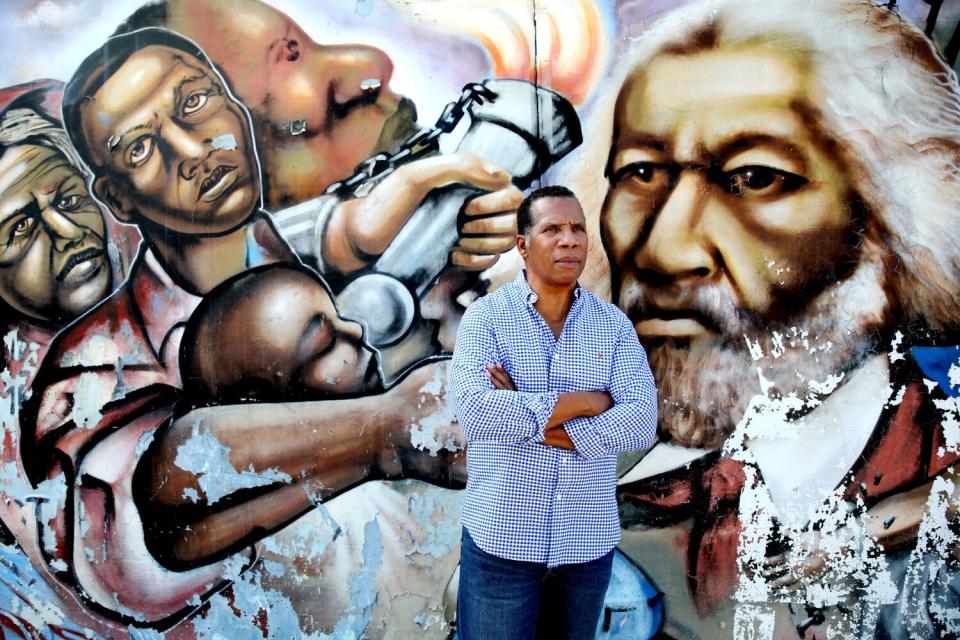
(557, 436)
(500, 378)
(361, 229)
(578, 403)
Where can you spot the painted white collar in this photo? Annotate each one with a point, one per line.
(802, 462)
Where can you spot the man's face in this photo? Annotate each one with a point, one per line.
(53, 262)
(314, 114)
(726, 218)
(175, 148)
(555, 249)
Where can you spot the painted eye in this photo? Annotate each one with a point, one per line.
(140, 150)
(757, 180)
(69, 202)
(194, 102)
(644, 176)
(23, 227)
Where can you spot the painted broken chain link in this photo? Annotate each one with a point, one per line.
(420, 144)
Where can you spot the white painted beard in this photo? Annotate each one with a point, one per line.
(705, 385)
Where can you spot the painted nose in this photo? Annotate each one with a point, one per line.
(675, 247)
(187, 149)
(64, 232)
(348, 329)
(355, 71)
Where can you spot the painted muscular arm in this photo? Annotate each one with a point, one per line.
(287, 457)
(361, 229)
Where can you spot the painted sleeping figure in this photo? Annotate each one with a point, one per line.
(273, 334)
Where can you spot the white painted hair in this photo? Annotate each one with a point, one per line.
(884, 93)
(25, 126)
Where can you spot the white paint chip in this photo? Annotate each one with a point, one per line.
(226, 142)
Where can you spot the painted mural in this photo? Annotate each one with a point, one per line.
(237, 236)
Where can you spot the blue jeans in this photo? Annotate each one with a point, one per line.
(504, 599)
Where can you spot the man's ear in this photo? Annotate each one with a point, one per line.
(106, 190)
(522, 246)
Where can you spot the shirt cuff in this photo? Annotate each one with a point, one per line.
(585, 438)
(542, 406)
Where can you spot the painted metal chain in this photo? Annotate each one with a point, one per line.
(420, 144)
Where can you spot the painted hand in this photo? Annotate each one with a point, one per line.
(489, 229)
(812, 553)
(362, 228)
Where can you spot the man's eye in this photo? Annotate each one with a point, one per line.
(69, 202)
(761, 181)
(195, 101)
(139, 151)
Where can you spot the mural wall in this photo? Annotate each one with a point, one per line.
(236, 238)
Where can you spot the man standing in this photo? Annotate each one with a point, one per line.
(550, 383)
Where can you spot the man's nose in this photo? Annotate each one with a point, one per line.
(569, 238)
(189, 149)
(676, 246)
(64, 232)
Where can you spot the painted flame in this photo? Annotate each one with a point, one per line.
(570, 47)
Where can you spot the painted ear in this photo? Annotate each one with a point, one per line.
(105, 188)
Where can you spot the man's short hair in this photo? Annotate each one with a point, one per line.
(524, 215)
(101, 65)
(889, 110)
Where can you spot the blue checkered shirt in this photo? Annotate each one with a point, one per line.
(527, 501)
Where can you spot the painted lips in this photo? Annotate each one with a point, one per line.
(217, 183)
(81, 266)
(671, 328)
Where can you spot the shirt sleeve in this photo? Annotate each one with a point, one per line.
(485, 413)
(631, 424)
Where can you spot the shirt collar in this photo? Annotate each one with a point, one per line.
(528, 295)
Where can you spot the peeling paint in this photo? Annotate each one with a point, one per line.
(204, 455)
(363, 587)
(226, 141)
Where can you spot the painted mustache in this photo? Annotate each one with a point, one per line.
(77, 258)
(713, 309)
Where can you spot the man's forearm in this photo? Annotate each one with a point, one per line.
(628, 426)
(578, 404)
(572, 405)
